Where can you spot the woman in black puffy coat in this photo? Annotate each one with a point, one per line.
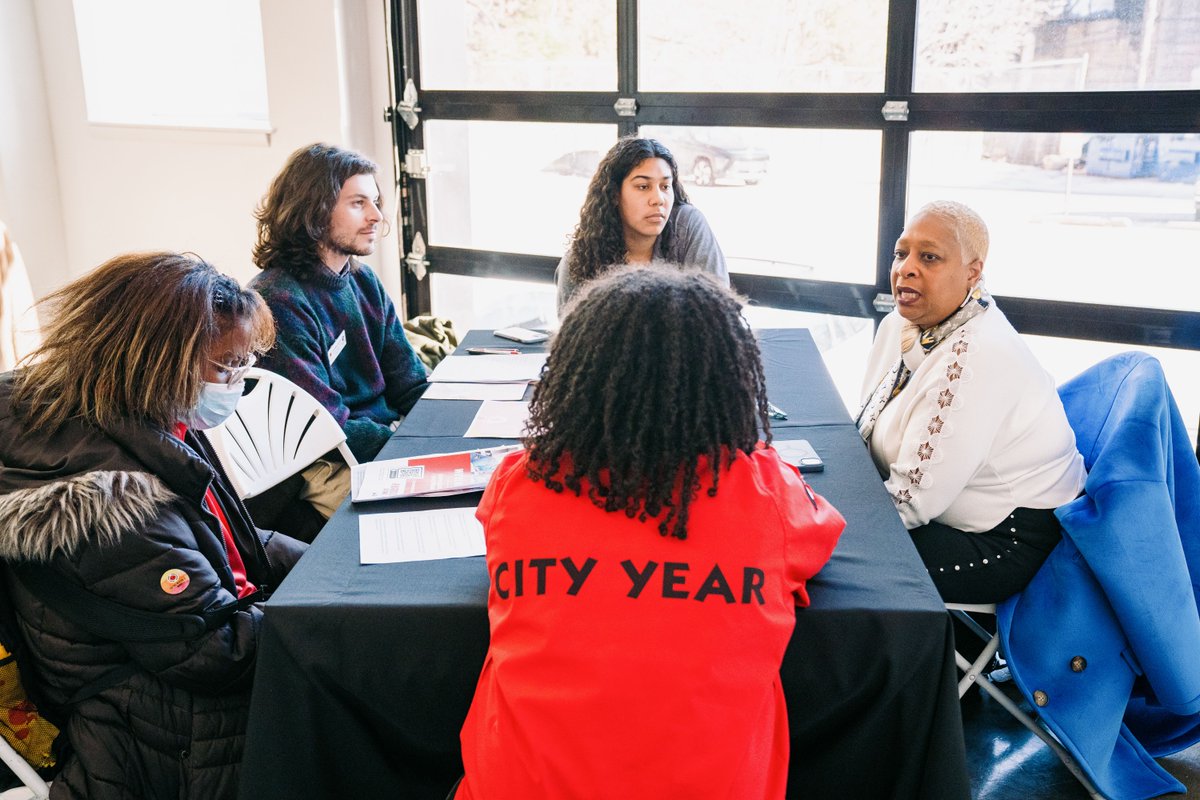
(109, 492)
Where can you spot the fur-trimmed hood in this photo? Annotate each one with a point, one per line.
(104, 505)
(77, 483)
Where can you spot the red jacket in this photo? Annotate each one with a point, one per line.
(624, 664)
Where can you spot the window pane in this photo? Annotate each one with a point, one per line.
(536, 45)
(1057, 45)
(1066, 358)
(197, 65)
(1091, 218)
(490, 303)
(794, 203)
(511, 186)
(780, 46)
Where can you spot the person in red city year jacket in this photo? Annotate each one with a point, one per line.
(647, 554)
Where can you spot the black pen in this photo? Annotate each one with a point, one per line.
(775, 412)
(493, 351)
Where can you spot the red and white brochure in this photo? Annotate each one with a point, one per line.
(427, 475)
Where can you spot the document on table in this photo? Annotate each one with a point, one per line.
(427, 475)
(419, 536)
(516, 368)
(475, 391)
(496, 419)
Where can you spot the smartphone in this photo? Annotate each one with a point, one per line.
(799, 453)
(522, 335)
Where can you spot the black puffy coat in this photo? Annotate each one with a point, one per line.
(114, 511)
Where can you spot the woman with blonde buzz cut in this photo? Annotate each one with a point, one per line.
(963, 423)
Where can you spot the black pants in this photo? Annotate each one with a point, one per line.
(990, 566)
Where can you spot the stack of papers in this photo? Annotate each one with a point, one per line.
(499, 420)
(428, 475)
(475, 391)
(515, 368)
(419, 536)
(499, 381)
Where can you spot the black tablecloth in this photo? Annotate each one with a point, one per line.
(796, 375)
(366, 672)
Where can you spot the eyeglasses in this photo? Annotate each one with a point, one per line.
(233, 373)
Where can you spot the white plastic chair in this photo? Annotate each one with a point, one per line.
(973, 675)
(277, 430)
(34, 789)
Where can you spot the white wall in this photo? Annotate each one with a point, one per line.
(104, 190)
(30, 202)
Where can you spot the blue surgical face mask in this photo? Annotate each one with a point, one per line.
(217, 403)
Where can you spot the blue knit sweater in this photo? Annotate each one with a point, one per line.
(374, 379)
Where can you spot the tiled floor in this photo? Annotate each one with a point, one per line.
(1007, 762)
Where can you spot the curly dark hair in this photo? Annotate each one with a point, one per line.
(599, 240)
(294, 215)
(651, 370)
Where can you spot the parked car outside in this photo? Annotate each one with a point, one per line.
(704, 156)
(709, 155)
(578, 163)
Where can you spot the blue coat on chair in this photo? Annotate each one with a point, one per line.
(1105, 640)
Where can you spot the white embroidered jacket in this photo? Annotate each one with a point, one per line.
(978, 431)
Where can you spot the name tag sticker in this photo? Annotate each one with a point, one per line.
(336, 348)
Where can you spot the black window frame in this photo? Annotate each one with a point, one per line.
(1168, 111)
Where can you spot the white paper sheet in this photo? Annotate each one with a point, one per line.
(475, 391)
(497, 419)
(419, 536)
(519, 368)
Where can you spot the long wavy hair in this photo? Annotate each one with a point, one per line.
(651, 370)
(293, 217)
(131, 340)
(599, 240)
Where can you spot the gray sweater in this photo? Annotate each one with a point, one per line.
(693, 245)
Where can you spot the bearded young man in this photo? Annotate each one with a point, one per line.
(339, 337)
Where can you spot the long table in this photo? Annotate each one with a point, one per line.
(366, 672)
